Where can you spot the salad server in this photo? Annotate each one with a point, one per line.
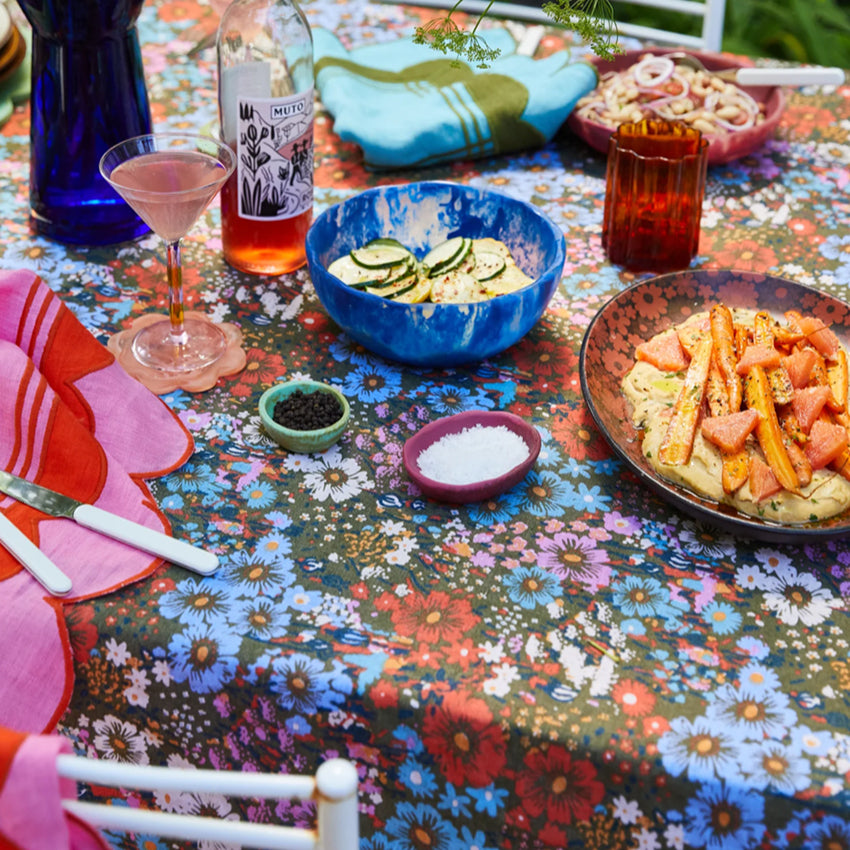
(133, 533)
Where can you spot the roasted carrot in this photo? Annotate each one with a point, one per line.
(735, 465)
(723, 337)
(769, 434)
(678, 442)
(791, 426)
(820, 377)
(836, 374)
(800, 462)
(764, 334)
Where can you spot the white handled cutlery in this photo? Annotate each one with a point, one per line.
(39, 566)
(133, 533)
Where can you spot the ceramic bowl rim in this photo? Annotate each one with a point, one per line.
(274, 428)
(477, 490)
(429, 306)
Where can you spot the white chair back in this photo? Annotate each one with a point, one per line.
(710, 14)
(334, 788)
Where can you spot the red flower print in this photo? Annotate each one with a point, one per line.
(464, 739)
(434, 618)
(558, 788)
(553, 836)
(801, 227)
(634, 698)
(312, 320)
(545, 359)
(82, 632)
(655, 726)
(262, 368)
(384, 694)
(425, 656)
(745, 254)
(650, 302)
(462, 653)
(579, 437)
(827, 311)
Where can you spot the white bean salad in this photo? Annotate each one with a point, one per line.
(656, 87)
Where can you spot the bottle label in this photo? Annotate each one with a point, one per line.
(275, 156)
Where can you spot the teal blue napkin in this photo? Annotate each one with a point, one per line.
(408, 106)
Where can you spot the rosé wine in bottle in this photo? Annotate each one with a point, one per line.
(265, 68)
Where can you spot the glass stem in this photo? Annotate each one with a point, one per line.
(175, 293)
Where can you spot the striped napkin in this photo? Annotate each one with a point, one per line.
(72, 420)
(31, 794)
(407, 106)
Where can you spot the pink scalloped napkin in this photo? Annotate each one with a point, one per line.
(70, 419)
(31, 795)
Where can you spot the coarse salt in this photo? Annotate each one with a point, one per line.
(473, 455)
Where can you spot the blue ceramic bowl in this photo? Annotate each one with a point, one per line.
(420, 215)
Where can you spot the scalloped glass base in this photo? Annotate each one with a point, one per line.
(205, 373)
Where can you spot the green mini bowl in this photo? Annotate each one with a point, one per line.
(302, 442)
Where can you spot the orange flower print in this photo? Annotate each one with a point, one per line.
(634, 698)
(434, 618)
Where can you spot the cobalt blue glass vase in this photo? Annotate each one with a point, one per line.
(88, 93)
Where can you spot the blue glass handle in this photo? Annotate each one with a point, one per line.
(88, 93)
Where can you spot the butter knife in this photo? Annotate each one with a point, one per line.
(133, 533)
(39, 566)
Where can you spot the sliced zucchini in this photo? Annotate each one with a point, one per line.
(386, 242)
(488, 265)
(417, 293)
(393, 274)
(447, 255)
(350, 273)
(380, 256)
(456, 287)
(389, 291)
(487, 243)
(510, 280)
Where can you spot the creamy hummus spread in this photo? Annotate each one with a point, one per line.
(652, 394)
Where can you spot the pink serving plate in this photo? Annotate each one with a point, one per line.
(721, 149)
(479, 490)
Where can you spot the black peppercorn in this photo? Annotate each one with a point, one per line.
(302, 411)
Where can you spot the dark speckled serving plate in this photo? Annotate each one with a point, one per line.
(653, 305)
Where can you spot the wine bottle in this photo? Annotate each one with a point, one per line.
(265, 87)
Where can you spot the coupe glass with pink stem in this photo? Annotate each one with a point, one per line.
(169, 179)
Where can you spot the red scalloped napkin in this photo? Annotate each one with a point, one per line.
(72, 420)
(31, 794)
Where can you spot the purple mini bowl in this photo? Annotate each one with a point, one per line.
(478, 491)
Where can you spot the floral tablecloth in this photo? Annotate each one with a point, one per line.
(574, 664)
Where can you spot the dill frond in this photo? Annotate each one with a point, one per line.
(444, 35)
(593, 20)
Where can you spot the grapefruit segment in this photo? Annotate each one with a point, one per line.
(730, 432)
(826, 442)
(665, 352)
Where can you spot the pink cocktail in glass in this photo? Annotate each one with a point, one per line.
(169, 180)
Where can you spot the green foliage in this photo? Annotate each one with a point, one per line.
(592, 19)
(809, 31)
